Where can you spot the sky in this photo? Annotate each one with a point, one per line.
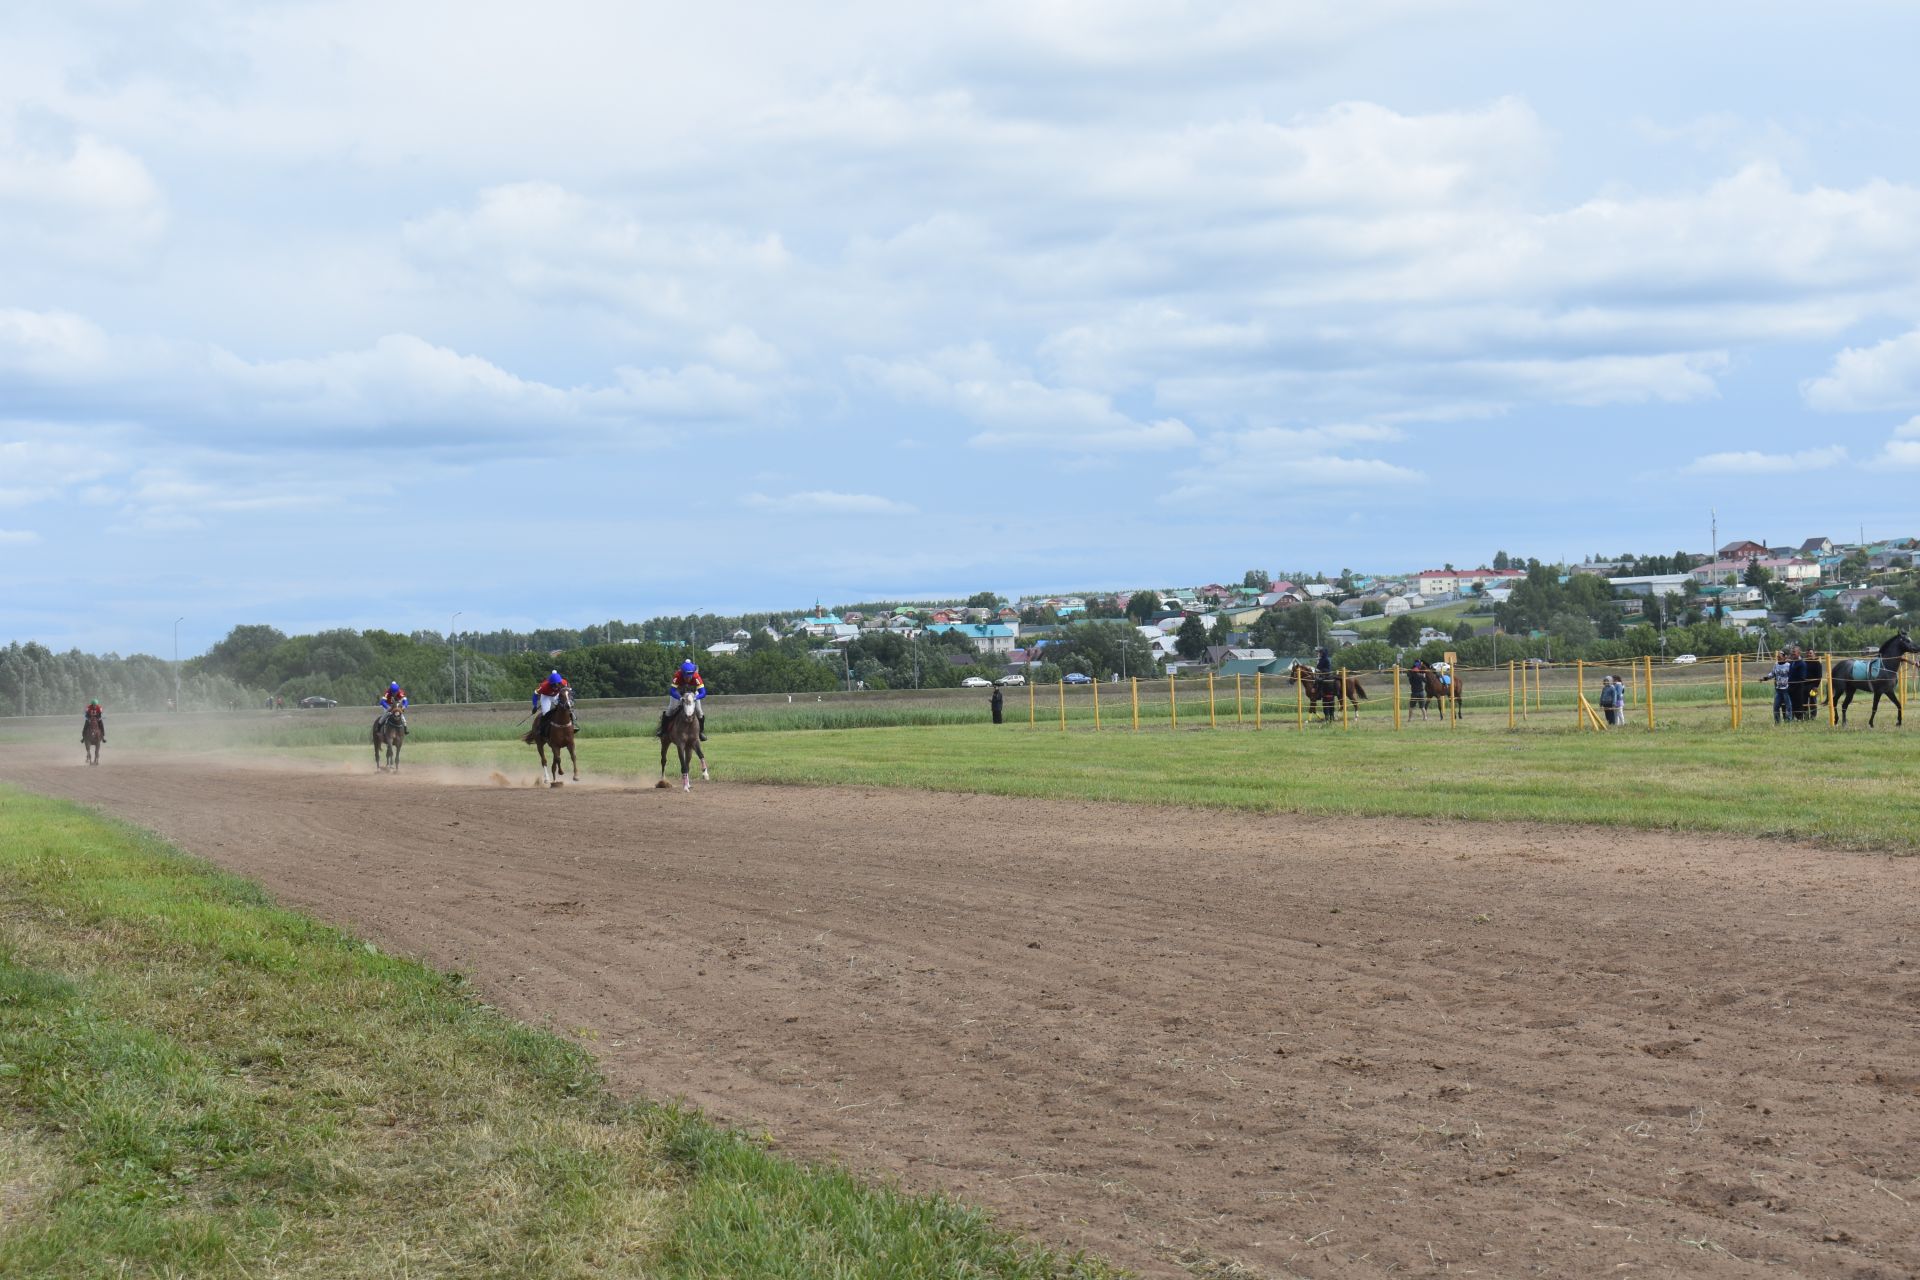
(330, 313)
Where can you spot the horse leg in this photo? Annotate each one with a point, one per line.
(704, 775)
(574, 756)
(686, 774)
(1875, 709)
(663, 757)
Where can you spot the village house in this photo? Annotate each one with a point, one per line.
(1794, 571)
(990, 638)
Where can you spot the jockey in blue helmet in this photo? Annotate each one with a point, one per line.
(395, 702)
(687, 682)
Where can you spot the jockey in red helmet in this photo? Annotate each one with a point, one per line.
(96, 714)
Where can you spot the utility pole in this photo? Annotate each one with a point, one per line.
(453, 660)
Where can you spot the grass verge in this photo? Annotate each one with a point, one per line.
(1803, 781)
(194, 1082)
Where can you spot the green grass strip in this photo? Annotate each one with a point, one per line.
(1854, 789)
(194, 1082)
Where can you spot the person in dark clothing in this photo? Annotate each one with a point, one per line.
(998, 704)
(1325, 663)
(1816, 672)
(1796, 683)
(1417, 677)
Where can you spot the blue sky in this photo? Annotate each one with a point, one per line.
(357, 314)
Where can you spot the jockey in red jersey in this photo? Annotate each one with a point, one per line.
(687, 682)
(545, 695)
(395, 702)
(96, 714)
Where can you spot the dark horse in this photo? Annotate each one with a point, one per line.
(681, 728)
(1881, 675)
(1326, 688)
(554, 729)
(93, 732)
(390, 734)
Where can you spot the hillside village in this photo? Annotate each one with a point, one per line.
(1755, 593)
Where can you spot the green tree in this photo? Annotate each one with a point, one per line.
(1142, 605)
(1372, 608)
(1257, 580)
(1403, 630)
(1501, 561)
(985, 600)
(1190, 642)
(1365, 655)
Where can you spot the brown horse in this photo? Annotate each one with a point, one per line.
(93, 732)
(555, 729)
(389, 735)
(1444, 686)
(681, 728)
(1327, 688)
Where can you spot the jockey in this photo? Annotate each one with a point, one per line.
(1325, 664)
(545, 694)
(687, 680)
(95, 715)
(395, 701)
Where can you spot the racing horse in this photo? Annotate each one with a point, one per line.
(553, 727)
(682, 729)
(1881, 675)
(388, 734)
(1326, 688)
(92, 733)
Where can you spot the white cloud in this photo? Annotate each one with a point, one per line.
(51, 344)
(1251, 469)
(1753, 462)
(1903, 450)
(1883, 376)
(18, 537)
(88, 201)
(1014, 409)
(827, 502)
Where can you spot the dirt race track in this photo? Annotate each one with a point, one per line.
(1180, 1039)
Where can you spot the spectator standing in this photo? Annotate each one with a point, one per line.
(1619, 701)
(998, 704)
(1609, 700)
(1782, 677)
(1796, 683)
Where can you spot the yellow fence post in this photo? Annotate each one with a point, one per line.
(1033, 719)
(1510, 671)
(1096, 706)
(1237, 717)
(1300, 703)
(1173, 702)
(1062, 686)
(1648, 659)
(1346, 698)
(1135, 680)
(1579, 690)
(1213, 721)
(1259, 697)
(1396, 697)
(1826, 678)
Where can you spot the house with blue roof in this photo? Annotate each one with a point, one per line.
(994, 638)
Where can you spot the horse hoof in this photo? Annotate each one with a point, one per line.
(661, 785)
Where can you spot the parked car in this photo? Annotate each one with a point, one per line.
(1012, 679)
(975, 682)
(1685, 660)
(1076, 677)
(318, 701)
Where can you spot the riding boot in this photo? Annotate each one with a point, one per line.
(701, 715)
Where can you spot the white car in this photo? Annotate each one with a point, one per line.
(1013, 679)
(975, 682)
(1685, 660)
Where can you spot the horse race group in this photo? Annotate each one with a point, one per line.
(682, 725)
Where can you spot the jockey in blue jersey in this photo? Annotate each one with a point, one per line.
(687, 683)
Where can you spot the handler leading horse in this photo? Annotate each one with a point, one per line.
(1326, 688)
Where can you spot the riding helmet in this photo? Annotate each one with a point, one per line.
(688, 666)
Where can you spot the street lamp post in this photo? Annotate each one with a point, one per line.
(176, 661)
(453, 660)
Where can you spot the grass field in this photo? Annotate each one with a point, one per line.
(1801, 781)
(196, 1083)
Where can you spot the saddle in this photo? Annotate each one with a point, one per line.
(1863, 668)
